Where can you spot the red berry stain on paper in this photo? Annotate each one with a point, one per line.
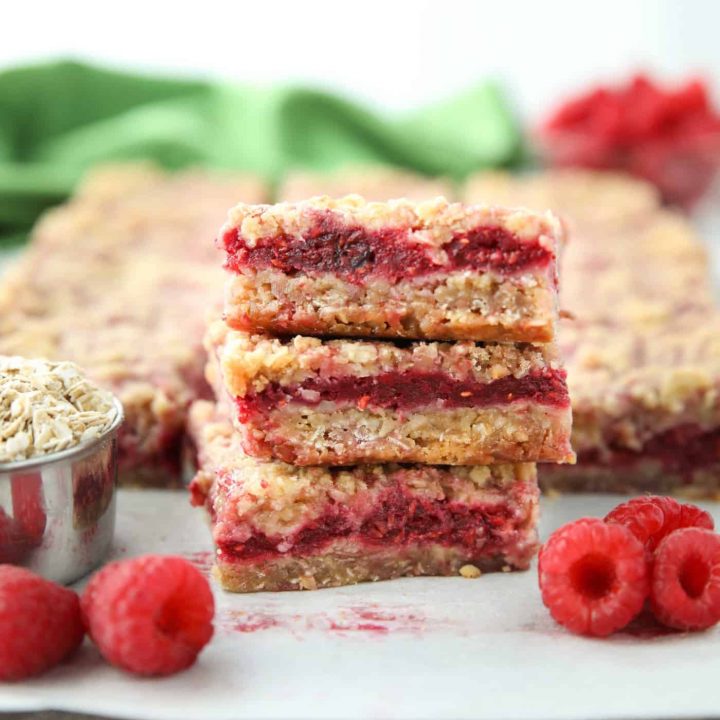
(377, 620)
(203, 560)
(373, 628)
(251, 622)
(355, 620)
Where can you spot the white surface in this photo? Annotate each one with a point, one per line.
(395, 54)
(417, 648)
(440, 648)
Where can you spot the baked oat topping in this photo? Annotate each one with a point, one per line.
(46, 407)
(371, 182)
(249, 363)
(431, 223)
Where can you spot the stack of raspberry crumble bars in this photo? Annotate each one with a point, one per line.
(385, 378)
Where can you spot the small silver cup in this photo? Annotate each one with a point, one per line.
(57, 511)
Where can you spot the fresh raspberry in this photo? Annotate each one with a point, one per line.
(593, 576)
(151, 615)
(40, 623)
(652, 517)
(669, 136)
(685, 590)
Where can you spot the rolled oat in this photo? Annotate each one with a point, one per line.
(48, 406)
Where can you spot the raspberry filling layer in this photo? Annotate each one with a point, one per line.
(399, 518)
(355, 253)
(411, 390)
(682, 449)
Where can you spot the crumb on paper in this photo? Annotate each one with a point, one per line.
(470, 571)
(46, 407)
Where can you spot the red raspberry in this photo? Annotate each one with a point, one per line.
(685, 591)
(40, 623)
(593, 576)
(669, 136)
(150, 615)
(652, 517)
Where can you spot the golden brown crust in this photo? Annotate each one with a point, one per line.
(458, 305)
(346, 435)
(347, 564)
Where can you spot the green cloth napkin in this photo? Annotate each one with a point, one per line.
(58, 119)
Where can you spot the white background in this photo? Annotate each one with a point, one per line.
(397, 55)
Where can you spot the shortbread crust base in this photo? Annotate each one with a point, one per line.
(349, 564)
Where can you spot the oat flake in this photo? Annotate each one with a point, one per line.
(48, 406)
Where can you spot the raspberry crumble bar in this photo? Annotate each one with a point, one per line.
(280, 527)
(309, 401)
(433, 270)
(119, 280)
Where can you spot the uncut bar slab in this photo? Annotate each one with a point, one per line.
(642, 353)
(372, 183)
(629, 260)
(309, 401)
(432, 270)
(646, 407)
(119, 280)
(280, 527)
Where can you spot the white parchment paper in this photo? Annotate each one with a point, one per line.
(416, 648)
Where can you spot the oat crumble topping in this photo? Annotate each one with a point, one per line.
(430, 222)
